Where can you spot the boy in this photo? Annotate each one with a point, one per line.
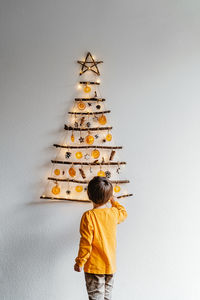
(98, 239)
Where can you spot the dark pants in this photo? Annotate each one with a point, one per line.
(99, 286)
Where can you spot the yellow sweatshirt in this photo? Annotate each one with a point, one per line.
(97, 248)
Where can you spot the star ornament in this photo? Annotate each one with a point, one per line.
(89, 64)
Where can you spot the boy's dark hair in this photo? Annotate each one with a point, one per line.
(100, 190)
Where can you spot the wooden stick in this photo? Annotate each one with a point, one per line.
(82, 121)
(63, 199)
(123, 196)
(90, 99)
(87, 147)
(112, 155)
(90, 62)
(89, 113)
(82, 173)
(88, 164)
(89, 82)
(85, 181)
(86, 129)
(79, 200)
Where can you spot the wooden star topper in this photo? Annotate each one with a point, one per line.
(89, 64)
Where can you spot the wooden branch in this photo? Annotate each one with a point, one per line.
(123, 196)
(89, 82)
(84, 181)
(86, 129)
(90, 99)
(87, 147)
(91, 62)
(63, 199)
(89, 113)
(79, 200)
(88, 164)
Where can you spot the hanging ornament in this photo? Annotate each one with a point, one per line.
(103, 160)
(91, 170)
(86, 156)
(118, 170)
(102, 120)
(108, 174)
(95, 153)
(57, 172)
(89, 64)
(81, 139)
(89, 104)
(79, 155)
(89, 139)
(95, 94)
(96, 136)
(63, 172)
(76, 124)
(82, 121)
(68, 188)
(95, 118)
(117, 188)
(98, 106)
(68, 154)
(79, 188)
(72, 138)
(108, 137)
(85, 188)
(101, 173)
(72, 171)
(56, 189)
(87, 89)
(104, 140)
(88, 124)
(81, 105)
(82, 173)
(112, 155)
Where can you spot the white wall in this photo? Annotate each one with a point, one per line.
(150, 78)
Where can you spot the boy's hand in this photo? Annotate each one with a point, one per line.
(113, 199)
(77, 268)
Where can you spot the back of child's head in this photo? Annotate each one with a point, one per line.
(100, 190)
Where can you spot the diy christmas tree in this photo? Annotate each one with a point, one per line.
(88, 149)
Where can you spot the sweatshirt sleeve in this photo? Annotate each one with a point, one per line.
(121, 211)
(85, 245)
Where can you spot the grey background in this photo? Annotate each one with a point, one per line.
(150, 78)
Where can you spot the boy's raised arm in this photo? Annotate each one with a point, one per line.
(121, 211)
